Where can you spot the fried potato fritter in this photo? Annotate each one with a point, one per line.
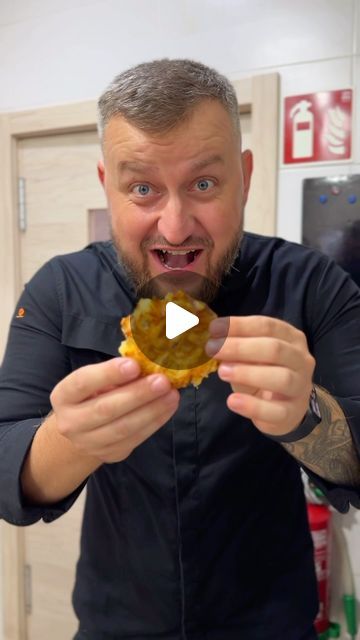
(146, 327)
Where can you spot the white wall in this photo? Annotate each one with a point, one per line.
(52, 53)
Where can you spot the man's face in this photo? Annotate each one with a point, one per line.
(182, 191)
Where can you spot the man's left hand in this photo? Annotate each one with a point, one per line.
(269, 367)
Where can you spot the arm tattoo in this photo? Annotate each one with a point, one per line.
(329, 449)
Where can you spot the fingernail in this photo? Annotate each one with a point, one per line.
(159, 383)
(219, 327)
(213, 346)
(225, 371)
(129, 367)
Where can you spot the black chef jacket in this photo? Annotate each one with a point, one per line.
(201, 533)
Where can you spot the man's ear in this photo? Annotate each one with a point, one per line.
(101, 172)
(247, 165)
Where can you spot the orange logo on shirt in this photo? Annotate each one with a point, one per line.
(21, 312)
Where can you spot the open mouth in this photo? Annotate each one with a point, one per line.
(180, 259)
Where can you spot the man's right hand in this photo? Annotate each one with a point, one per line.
(107, 409)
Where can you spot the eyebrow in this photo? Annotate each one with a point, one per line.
(201, 164)
(136, 167)
(140, 167)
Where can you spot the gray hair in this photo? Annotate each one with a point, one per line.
(156, 96)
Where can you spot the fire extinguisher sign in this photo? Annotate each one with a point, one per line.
(317, 127)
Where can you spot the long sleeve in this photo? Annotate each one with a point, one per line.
(34, 361)
(334, 308)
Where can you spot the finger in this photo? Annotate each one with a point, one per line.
(259, 410)
(108, 407)
(252, 326)
(240, 388)
(131, 430)
(94, 378)
(259, 350)
(236, 387)
(273, 378)
(166, 411)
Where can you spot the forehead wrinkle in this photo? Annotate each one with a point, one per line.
(206, 162)
(139, 166)
(134, 167)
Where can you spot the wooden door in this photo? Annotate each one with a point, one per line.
(61, 194)
(61, 189)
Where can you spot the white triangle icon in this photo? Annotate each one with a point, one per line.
(178, 320)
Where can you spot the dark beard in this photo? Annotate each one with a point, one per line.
(199, 287)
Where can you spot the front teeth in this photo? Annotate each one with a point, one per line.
(178, 253)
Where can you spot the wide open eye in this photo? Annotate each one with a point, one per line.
(141, 189)
(204, 184)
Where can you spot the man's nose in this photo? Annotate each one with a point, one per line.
(176, 222)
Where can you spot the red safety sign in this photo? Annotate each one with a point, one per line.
(317, 127)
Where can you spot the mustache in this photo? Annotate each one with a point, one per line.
(189, 242)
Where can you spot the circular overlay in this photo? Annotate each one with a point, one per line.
(152, 320)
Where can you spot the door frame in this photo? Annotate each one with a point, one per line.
(257, 95)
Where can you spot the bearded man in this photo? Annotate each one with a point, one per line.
(195, 525)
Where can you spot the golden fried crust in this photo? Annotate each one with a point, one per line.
(149, 321)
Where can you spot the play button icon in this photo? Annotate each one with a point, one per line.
(178, 320)
(170, 322)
